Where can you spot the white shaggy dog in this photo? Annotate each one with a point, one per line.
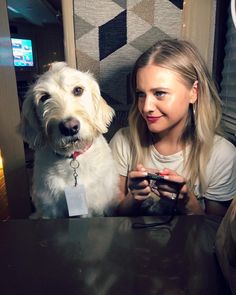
(63, 119)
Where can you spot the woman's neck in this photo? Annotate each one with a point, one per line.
(166, 144)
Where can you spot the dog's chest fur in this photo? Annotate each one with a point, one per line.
(96, 171)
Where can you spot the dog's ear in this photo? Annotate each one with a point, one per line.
(57, 66)
(29, 126)
(104, 113)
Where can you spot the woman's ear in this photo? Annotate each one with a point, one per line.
(29, 127)
(194, 93)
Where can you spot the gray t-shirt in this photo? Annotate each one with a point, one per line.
(220, 171)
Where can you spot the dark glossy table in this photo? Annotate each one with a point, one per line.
(106, 256)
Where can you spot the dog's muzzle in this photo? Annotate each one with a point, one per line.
(69, 127)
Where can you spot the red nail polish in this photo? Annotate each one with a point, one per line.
(162, 173)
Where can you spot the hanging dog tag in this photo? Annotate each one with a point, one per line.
(74, 164)
(76, 200)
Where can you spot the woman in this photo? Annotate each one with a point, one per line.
(174, 131)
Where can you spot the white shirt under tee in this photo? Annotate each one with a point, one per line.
(220, 171)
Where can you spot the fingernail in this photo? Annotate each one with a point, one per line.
(163, 173)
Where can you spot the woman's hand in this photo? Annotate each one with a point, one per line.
(140, 188)
(137, 184)
(138, 191)
(173, 184)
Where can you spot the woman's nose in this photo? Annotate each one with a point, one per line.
(148, 104)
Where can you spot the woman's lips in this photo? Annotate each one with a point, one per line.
(153, 119)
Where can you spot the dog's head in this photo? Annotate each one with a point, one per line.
(64, 109)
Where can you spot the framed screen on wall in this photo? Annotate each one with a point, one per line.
(22, 52)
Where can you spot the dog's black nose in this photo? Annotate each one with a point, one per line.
(69, 127)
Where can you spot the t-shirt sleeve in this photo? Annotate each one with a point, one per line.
(120, 147)
(221, 171)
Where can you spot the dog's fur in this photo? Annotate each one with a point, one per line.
(64, 112)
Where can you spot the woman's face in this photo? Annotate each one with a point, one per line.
(163, 100)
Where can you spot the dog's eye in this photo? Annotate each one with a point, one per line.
(44, 97)
(78, 91)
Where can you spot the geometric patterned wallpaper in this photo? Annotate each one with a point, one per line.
(111, 34)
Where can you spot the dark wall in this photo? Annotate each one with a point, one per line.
(48, 46)
(47, 41)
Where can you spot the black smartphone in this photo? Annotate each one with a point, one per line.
(161, 180)
(152, 176)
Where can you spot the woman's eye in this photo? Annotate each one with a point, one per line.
(78, 91)
(45, 96)
(160, 94)
(139, 94)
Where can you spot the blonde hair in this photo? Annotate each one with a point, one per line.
(203, 117)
